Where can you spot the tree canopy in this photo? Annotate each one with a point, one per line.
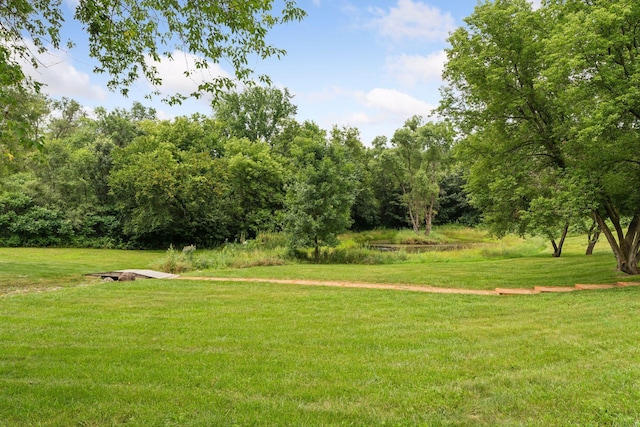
(546, 102)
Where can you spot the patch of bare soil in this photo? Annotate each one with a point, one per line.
(413, 288)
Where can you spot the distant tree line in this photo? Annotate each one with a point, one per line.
(124, 178)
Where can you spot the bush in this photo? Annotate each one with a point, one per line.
(174, 262)
(342, 255)
(270, 240)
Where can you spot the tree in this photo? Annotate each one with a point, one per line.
(512, 126)
(21, 122)
(65, 118)
(319, 200)
(417, 160)
(128, 37)
(594, 66)
(120, 125)
(455, 207)
(546, 100)
(168, 195)
(388, 194)
(365, 209)
(256, 181)
(259, 114)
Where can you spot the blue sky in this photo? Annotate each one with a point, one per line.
(370, 65)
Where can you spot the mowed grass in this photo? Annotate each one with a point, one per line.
(41, 268)
(187, 353)
(500, 265)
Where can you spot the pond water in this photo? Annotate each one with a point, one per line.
(391, 247)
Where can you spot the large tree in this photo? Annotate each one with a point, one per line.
(512, 146)
(416, 160)
(548, 129)
(256, 181)
(319, 200)
(594, 66)
(170, 190)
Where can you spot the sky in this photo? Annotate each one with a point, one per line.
(365, 64)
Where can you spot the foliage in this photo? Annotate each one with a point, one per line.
(125, 179)
(318, 202)
(167, 194)
(549, 133)
(259, 114)
(366, 206)
(416, 162)
(595, 53)
(21, 120)
(350, 256)
(67, 114)
(22, 223)
(256, 180)
(386, 191)
(453, 201)
(129, 38)
(175, 261)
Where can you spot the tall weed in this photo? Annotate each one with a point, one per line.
(175, 262)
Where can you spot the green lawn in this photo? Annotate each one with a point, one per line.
(37, 268)
(187, 353)
(200, 353)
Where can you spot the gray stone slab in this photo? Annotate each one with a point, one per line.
(150, 274)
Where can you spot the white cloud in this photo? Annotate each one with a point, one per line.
(393, 103)
(360, 118)
(382, 111)
(413, 20)
(411, 69)
(172, 73)
(60, 76)
(163, 115)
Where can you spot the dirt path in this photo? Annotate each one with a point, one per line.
(413, 288)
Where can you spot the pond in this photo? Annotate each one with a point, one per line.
(430, 247)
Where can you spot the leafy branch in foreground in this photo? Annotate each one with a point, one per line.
(129, 38)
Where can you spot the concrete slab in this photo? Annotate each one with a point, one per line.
(149, 274)
(139, 274)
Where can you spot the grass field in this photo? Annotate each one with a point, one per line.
(37, 268)
(186, 353)
(193, 353)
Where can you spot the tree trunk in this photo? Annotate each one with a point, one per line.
(626, 247)
(316, 251)
(592, 235)
(557, 248)
(414, 222)
(429, 218)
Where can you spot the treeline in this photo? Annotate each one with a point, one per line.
(126, 179)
